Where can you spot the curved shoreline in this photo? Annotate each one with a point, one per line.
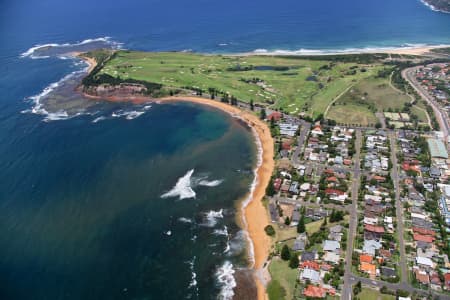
(253, 214)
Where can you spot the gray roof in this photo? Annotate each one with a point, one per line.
(331, 245)
(308, 256)
(389, 272)
(437, 148)
(299, 245)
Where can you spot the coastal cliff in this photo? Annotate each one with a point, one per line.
(438, 5)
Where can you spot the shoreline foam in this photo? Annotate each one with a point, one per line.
(253, 214)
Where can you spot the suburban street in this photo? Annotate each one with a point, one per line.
(408, 75)
(399, 209)
(347, 290)
(304, 130)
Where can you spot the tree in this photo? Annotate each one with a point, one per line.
(270, 190)
(270, 231)
(252, 105)
(293, 262)
(285, 253)
(287, 221)
(263, 115)
(301, 224)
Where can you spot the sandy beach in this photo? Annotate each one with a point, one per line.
(410, 50)
(255, 214)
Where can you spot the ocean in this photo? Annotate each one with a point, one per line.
(121, 201)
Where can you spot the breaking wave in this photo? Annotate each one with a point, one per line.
(193, 282)
(226, 281)
(129, 115)
(211, 217)
(39, 107)
(211, 183)
(223, 231)
(184, 186)
(185, 220)
(63, 50)
(355, 50)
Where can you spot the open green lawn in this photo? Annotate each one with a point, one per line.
(359, 104)
(283, 277)
(352, 114)
(288, 233)
(370, 294)
(294, 84)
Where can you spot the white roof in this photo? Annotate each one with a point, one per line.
(424, 261)
(331, 245)
(331, 257)
(310, 274)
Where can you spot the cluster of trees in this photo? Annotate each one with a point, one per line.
(291, 257)
(336, 216)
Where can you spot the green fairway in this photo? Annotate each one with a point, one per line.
(293, 84)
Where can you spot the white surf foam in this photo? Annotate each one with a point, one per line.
(33, 51)
(433, 8)
(98, 119)
(211, 183)
(226, 281)
(355, 50)
(182, 188)
(251, 251)
(38, 107)
(193, 282)
(185, 220)
(129, 115)
(211, 217)
(223, 231)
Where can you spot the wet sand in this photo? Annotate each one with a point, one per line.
(255, 214)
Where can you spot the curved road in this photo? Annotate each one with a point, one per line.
(441, 116)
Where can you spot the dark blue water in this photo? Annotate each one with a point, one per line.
(81, 212)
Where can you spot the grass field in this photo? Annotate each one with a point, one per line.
(370, 294)
(293, 84)
(359, 104)
(285, 278)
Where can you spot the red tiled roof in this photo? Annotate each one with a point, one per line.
(276, 116)
(368, 268)
(447, 280)
(366, 258)
(277, 183)
(334, 192)
(347, 162)
(424, 231)
(315, 291)
(423, 238)
(332, 178)
(422, 277)
(379, 178)
(373, 228)
(310, 265)
(286, 146)
(385, 253)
